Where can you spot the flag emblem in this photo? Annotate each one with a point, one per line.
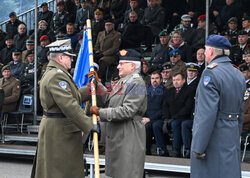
(63, 84)
(206, 80)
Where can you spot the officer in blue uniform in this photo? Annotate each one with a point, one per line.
(218, 115)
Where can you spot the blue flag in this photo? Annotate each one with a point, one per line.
(82, 64)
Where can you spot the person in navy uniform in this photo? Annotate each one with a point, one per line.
(215, 149)
(192, 75)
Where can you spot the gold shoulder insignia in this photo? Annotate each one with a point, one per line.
(213, 65)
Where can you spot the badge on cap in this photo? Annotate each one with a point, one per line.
(206, 80)
(123, 52)
(63, 84)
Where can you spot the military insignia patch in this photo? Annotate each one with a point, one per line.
(206, 80)
(211, 66)
(63, 84)
(123, 52)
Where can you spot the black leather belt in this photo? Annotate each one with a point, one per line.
(53, 115)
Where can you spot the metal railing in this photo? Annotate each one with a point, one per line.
(29, 16)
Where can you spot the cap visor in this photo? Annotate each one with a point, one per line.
(69, 54)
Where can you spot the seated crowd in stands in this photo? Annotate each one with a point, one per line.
(175, 27)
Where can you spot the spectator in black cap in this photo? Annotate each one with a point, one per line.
(160, 52)
(239, 49)
(6, 53)
(45, 14)
(29, 46)
(97, 24)
(21, 37)
(16, 66)
(60, 18)
(12, 25)
(246, 23)
(82, 15)
(106, 47)
(132, 33)
(166, 73)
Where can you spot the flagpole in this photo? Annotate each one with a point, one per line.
(93, 96)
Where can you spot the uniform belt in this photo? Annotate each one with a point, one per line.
(53, 115)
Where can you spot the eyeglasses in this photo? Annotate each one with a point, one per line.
(108, 24)
(173, 56)
(121, 64)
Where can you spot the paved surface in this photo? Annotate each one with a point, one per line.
(21, 168)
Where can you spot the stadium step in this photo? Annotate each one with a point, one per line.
(21, 137)
(17, 149)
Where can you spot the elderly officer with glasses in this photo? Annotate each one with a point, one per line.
(125, 131)
(215, 149)
(60, 148)
(178, 66)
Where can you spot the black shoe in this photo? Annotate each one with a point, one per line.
(187, 154)
(161, 152)
(177, 154)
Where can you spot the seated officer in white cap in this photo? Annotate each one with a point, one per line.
(60, 148)
(126, 105)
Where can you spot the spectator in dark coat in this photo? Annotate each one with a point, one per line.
(117, 11)
(153, 116)
(246, 23)
(82, 15)
(60, 19)
(195, 9)
(45, 14)
(179, 105)
(200, 60)
(12, 25)
(187, 32)
(160, 52)
(42, 50)
(6, 53)
(215, 8)
(43, 29)
(232, 30)
(21, 37)
(233, 8)
(97, 24)
(133, 33)
(16, 66)
(133, 6)
(154, 17)
(177, 42)
(70, 7)
(238, 50)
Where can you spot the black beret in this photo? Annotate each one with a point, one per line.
(130, 55)
(9, 37)
(30, 52)
(5, 68)
(218, 41)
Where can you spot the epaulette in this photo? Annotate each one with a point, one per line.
(59, 70)
(212, 65)
(136, 75)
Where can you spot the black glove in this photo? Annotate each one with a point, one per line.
(98, 56)
(199, 156)
(96, 129)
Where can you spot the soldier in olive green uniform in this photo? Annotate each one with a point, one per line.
(60, 148)
(11, 88)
